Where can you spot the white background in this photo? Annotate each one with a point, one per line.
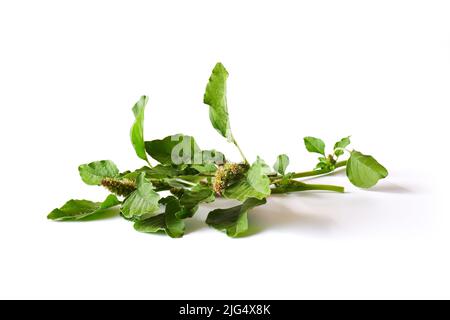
(377, 70)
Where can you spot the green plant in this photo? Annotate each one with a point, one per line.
(161, 197)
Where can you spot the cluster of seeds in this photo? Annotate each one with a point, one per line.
(227, 174)
(120, 187)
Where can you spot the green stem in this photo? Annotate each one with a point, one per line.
(206, 175)
(312, 173)
(149, 164)
(326, 187)
(186, 182)
(240, 150)
(307, 187)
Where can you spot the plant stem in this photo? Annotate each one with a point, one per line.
(240, 150)
(318, 172)
(326, 187)
(206, 175)
(307, 187)
(311, 173)
(149, 164)
(186, 182)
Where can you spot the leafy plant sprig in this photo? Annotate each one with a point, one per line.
(161, 197)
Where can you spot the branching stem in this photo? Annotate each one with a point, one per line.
(311, 173)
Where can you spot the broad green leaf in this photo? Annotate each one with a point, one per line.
(233, 220)
(79, 209)
(167, 221)
(257, 178)
(364, 171)
(175, 149)
(255, 184)
(314, 145)
(281, 164)
(137, 130)
(192, 198)
(216, 97)
(143, 201)
(93, 173)
(341, 144)
(183, 150)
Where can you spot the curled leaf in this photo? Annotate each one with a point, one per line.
(216, 97)
(281, 164)
(340, 145)
(137, 130)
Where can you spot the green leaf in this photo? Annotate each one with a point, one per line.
(341, 144)
(93, 173)
(182, 150)
(265, 168)
(174, 226)
(161, 171)
(157, 172)
(163, 176)
(233, 220)
(364, 171)
(326, 164)
(151, 225)
(314, 145)
(212, 157)
(192, 198)
(216, 97)
(167, 221)
(281, 164)
(143, 201)
(175, 149)
(205, 168)
(137, 130)
(255, 184)
(79, 209)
